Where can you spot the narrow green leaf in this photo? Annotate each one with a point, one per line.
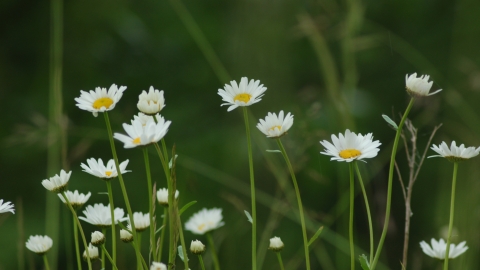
(364, 262)
(249, 217)
(390, 121)
(180, 253)
(274, 151)
(103, 193)
(186, 206)
(159, 229)
(315, 236)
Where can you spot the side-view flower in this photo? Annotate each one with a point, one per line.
(57, 183)
(39, 244)
(6, 207)
(205, 220)
(99, 215)
(275, 126)
(455, 153)
(98, 169)
(438, 249)
(152, 102)
(350, 147)
(419, 87)
(142, 134)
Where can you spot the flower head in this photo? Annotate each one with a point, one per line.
(100, 100)
(57, 183)
(96, 168)
(419, 87)
(144, 118)
(243, 94)
(152, 102)
(162, 196)
(142, 221)
(276, 244)
(77, 200)
(143, 134)
(97, 238)
(126, 236)
(100, 215)
(39, 244)
(439, 248)
(92, 253)
(158, 266)
(6, 207)
(351, 147)
(275, 126)
(197, 247)
(455, 153)
(205, 221)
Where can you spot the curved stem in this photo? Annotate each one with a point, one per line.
(350, 223)
(299, 201)
(279, 257)
(201, 262)
(150, 204)
(367, 206)
(77, 248)
(45, 261)
(112, 214)
(452, 211)
(108, 256)
(389, 189)
(214, 253)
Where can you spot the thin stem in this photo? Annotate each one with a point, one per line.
(182, 241)
(77, 248)
(350, 223)
(299, 201)
(162, 233)
(252, 191)
(201, 262)
(104, 231)
(389, 189)
(112, 214)
(104, 251)
(45, 260)
(142, 261)
(216, 264)
(452, 212)
(279, 257)
(367, 205)
(150, 204)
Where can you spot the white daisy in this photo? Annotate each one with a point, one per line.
(158, 266)
(139, 134)
(152, 102)
(97, 238)
(92, 252)
(100, 215)
(76, 199)
(142, 221)
(439, 248)
(96, 168)
(197, 247)
(419, 87)
(6, 207)
(276, 244)
(57, 183)
(143, 118)
(275, 126)
(243, 94)
(39, 244)
(162, 196)
(100, 100)
(205, 221)
(126, 236)
(351, 147)
(455, 153)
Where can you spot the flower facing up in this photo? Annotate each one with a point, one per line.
(143, 134)
(205, 221)
(439, 248)
(39, 244)
(97, 238)
(126, 236)
(98, 169)
(197, 247)
(419, 87)
(351, 147)
(152, 102)
(276, 244)
(162, 196)
(158, 266)
(100, 100)
(275, 126)
(99, 215)
(243, 94)
(92, 253)
(142, 221)
(455, 153)
(6, 207)
(76, 199)
(57, 183)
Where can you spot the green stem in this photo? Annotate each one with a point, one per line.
(150, 204)
(142, 261)
(252, 191)
(112, 214)
(77, 248)
(201, 262)
(279, 257)
(45, 260)
(104, 251)
(367, 206)
(390, 180)
(162, 233)
(452, 212)
(182, 241)
(299, 201)
(104, 231)
(350, 223)
(216, 264)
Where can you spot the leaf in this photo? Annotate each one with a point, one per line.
(186, 206)
(390, 121)
(180, 253)
(159, 229)
(103, 193)
(170, 163)
(315, 236)
(364, 262)
(249, 217)
(274, 151)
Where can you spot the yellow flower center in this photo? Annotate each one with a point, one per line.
(201, 227)
(108, 173)
(274, 127)
(243, 97)
(136, 140)
(102, 102)
(349, 153)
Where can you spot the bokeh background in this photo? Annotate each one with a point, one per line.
(333, 64)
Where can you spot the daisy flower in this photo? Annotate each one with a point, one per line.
(275, 126)
(197, 247)
(100, 215)
(6, 207)
(276, 244)
(439, 248)
(57, 183)
(100, 100)
(125, 235)
(243, 94)
(142, 221)
(152, 102)
(97, 238)
(143, 118)
(139, 134)
(92, 253)
(96, 168)
(162, 196)
(39, 244)
(76, 199)
(205, 221)
(158, 266)
(419, 87)
(351, 147)
(455, 153)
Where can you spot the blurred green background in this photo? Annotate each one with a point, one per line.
(333, 64)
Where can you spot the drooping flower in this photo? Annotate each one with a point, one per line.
(76, 199)
(57, 183)
(158, 266)
(205, 221)
(276, 244)
(98, 169)
(152, 102)
(100, 100)
(243, 94)
(92, 253)
(142, 221)
(39, 244)
(351, 147)
(97, 238)
(6, 207)
(439, 248)
(197, 247)
(419, 87)
(275, 126)
(162, 196)
(139, 134)
(100, 215)
(455, 153)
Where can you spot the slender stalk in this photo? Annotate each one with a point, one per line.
(279, 257)
(182, 241)
(299, 201)
(45, 261)
(367, 206)
(389, 189)
(162, 233)
(114, 234)
(216, 264)
(142, 261)
(350, 223)
(104, 231)
(150, 204)
(452, 212)
(77, 248)
(252, 191)
(104, 251)
(201, 262)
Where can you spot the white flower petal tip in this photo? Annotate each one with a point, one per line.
(419, 87)
(205, 221)
(275, 126)
(350, 146)
(92, 253)
(142, 221)
(158, 266)
(152, 102)
(455, 153)
(76, 199)
(243, 94)
(39, 244)
(57, 183)
(100, 215)
(438, 249)
(6, 207)
(100, 100)
(276, 244)
(140, 133)
(98, 169)
(162, 196)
